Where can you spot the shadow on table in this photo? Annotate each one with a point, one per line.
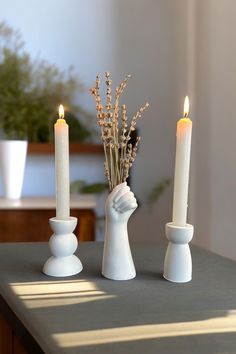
(147, 314)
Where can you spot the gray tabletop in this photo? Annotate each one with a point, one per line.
(87, 314)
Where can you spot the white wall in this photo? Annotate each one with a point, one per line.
(216, 125)
(144, 38)
(172, 48)
(152, 44)
(40, 176)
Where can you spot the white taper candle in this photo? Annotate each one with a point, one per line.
(182, 163)
(61, 132)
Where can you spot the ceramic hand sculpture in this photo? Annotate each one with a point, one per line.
(117, 259)
(120, 153)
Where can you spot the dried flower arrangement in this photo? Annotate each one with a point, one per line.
(115, 132)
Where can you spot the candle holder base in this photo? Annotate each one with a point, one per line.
(63, 243)
(178, 260)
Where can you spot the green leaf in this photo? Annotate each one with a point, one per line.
(157, 191)
(76, 186)
(95, 188)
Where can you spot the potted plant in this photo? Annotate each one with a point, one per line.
(30, 92)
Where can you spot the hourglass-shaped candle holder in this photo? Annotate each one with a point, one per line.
(178, 260)
(63, 243)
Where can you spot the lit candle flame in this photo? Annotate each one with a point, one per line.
(186, 107)
(61, 111)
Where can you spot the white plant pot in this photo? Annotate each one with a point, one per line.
(117, 261)
(12, 165)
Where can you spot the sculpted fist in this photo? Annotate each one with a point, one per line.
(120, 204)
(117, 258)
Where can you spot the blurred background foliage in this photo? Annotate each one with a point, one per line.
(80, 186)
(30, 92)
(157, 191)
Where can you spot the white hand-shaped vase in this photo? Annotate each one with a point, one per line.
(117, 261)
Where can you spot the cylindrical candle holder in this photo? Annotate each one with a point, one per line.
(178, 260)
(63, 243)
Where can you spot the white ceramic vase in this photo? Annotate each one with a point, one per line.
(12, 165)
(117, 261)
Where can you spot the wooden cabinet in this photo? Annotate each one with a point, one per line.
(9, 342)
(75, 149)
(27, 220)
(6, 336)
(18, 348)
(14, 337)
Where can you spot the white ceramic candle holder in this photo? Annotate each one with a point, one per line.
(63, 243)
(178, 260)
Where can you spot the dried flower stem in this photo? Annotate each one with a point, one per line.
(119, 153)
